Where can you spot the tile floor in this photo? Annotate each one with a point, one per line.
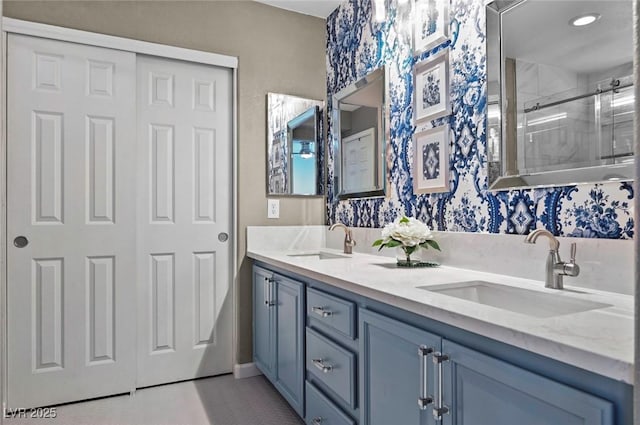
(221, 400)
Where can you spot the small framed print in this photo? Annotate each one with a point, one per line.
(431, 87)
(431, 24)
(431, 160)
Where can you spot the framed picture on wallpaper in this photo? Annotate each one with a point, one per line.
(431, 160)
(430, 24)
(431, 87)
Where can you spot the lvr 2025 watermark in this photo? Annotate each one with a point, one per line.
(23, 413)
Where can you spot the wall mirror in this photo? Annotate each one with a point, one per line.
(560, 94)
(293, 136)
(360, 126)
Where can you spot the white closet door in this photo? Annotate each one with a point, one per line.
(184, 298)
(71, 168)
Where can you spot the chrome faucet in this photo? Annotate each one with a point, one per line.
(556, 268)
(349, 243)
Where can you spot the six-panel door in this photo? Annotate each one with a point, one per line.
(396, 371)
(70, 220)
(184, 220)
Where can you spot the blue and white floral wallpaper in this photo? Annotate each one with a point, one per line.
(356, 45)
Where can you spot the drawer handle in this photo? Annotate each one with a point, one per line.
(440, 409)
(319, 363)
(322, 311)
(425, 399)
(317, 420)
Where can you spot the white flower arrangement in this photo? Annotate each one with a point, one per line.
(407, 233)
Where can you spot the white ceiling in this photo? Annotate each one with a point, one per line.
(319, 8)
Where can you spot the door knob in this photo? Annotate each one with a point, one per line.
(20, 242)
(222, 236)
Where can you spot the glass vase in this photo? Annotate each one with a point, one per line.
(405, 259)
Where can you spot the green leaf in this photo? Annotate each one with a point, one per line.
(392, 244)
(404, 219)
(433, 244)
(410, 249)
(378, 242)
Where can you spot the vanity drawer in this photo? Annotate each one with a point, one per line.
(333, 365)
(331, 311)
(321, 411)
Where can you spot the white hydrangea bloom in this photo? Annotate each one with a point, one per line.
(408, 231)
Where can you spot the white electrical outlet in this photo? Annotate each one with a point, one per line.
(273, 208)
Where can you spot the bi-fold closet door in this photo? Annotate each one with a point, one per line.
(118, 203)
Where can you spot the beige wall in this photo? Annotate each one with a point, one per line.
(278, 51)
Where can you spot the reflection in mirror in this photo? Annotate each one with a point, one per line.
(560, 95)
(303, 136)
(360, 126)
(293, 136)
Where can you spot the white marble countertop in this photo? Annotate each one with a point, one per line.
(599, 340)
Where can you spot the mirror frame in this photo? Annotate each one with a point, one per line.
(320, 163)
(566, 177)
(380, 178)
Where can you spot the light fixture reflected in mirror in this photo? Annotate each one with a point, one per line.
(582, 20)
(379, 10)
(305, 149)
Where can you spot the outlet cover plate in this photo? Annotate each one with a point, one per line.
(273, 208)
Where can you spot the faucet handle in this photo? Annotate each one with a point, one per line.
(571, 268)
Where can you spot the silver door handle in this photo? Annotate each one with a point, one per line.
(319, 363)
(440, 409)
(322, 311)
(424, 400)
(223, 237)
(268, 292)
(317, 420)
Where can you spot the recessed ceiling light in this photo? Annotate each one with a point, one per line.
(582, 20)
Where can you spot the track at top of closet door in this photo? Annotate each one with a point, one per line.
(184, 203)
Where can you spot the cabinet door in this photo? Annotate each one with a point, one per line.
(481, 390)
(289, 341)
(263, 322)
(394, 371)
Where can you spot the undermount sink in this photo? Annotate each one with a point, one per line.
(518, 300)
(320, 255)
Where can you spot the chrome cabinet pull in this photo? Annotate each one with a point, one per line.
(424, 400)
(317, 420)
(268, 292)
(440, 409)
(322, 311)
(319, 363)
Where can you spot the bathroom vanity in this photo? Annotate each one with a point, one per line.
(353, 339)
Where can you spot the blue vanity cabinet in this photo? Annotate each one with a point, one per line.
(411, 376)
(345, 359)
(331, 358)
(290, 341)
(396, 371)
(278, 306)
(263, 322)
(479, 390)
